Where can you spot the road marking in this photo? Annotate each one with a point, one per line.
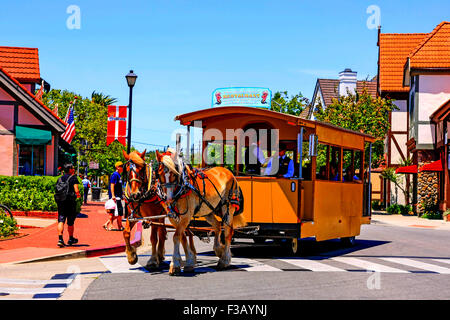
(419, 265)
(443, 260)
(32, 290)
(367, 265)
(253, 265)
(312, 265)
(121, 265)
(35, 282)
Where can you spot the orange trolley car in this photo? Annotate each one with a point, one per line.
(328, 196)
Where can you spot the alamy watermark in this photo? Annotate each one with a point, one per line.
(374, 20)
(74, 19)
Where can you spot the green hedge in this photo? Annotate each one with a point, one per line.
(8, 226)
(27, 193)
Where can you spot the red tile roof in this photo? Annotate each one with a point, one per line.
(32, 96)
(394, 50)
(21, 63)
(434, 50)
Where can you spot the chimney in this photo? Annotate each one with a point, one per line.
(347, 81)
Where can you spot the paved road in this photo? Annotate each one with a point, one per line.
(387, 262)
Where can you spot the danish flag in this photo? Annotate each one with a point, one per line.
(70, 128)
(117, 124)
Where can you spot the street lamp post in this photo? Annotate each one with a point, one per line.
(131, 80)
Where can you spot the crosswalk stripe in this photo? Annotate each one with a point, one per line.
(312, 265)
(367, 265)
(32, 290)
(419, 265)
(35, 282)
(121, 265)
(443, 260)
(253, 265)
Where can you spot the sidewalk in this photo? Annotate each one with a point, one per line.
(38, 238)
(380, 217)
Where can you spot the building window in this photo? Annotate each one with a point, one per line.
(32, 160)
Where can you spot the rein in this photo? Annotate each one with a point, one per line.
(147, 193)
(185, 188)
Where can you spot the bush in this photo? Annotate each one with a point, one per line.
(394, 209)
(27, 193)
(432, 215)
(376, 205)
(405, 210)
(8, 225)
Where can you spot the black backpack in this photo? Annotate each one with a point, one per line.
(62, 189)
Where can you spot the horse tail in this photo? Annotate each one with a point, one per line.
(238, 217)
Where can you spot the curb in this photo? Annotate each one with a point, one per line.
(91, 253)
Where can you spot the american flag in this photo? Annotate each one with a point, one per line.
(70, 129)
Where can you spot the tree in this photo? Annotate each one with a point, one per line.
(293, 105)
(91, 126)
(362, 113)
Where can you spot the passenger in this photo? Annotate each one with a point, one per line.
(323, 173)
(285, 165)
(255, 159)
(334, 175)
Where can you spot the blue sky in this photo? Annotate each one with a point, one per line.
(182, 50)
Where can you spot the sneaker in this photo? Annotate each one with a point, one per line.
(61, 243)
(72, 241)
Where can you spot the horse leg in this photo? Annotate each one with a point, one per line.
(225, 259)
(218, 247)
(175, 265)
(162, 233)
(130, 250)
(154, 261)
(190, 256)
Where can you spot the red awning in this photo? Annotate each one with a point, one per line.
(407, 169)
(433, 167)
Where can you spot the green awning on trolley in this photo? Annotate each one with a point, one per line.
(32, 136)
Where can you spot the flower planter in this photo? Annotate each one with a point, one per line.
(37, 214)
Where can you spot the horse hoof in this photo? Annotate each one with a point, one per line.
(133, 260)
(174, 271)
(221, 265)
(152, 266)
(188, 269)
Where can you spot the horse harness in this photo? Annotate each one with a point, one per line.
(185, 188)
(148, 192)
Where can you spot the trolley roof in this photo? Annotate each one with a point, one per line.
(205, 115)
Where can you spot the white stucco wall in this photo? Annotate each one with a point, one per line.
(433, 92)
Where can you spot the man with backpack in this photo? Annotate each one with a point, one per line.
(66, 193)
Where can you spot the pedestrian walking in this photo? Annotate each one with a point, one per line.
(115, 193)
(66, 193)
(86, 186)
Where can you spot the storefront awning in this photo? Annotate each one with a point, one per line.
(32, 136)
(407, 169)
(432, 167)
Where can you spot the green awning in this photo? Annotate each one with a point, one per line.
(31, 136)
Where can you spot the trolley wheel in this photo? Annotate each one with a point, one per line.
(259, 240)
(348, 241)
(4, 210)
(292, 245)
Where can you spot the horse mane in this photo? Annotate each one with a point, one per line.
(136, 159)
(168, 162)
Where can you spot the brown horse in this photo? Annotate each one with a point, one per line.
(213, 194)
(143, 201)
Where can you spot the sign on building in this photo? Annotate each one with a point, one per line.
(93, 165)
(242, 97)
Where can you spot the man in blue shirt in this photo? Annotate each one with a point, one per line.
(116, 193)
(86, 186)
(285, 164)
